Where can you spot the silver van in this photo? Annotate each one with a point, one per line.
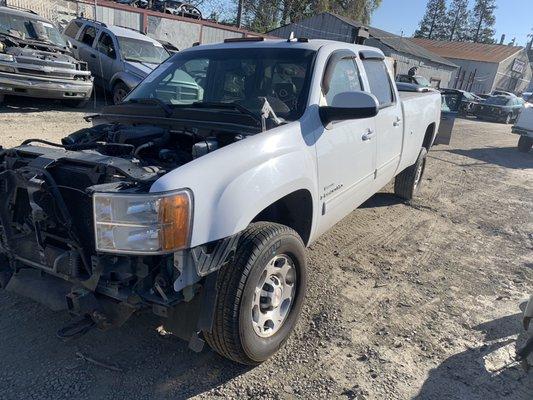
(119, 58)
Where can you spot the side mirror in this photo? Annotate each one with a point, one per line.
(69, 44)
(349, 105)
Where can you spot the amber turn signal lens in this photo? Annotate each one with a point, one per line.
(174, 219)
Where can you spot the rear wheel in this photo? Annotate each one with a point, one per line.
(524, 144)
(120, 91)
(407, 183)
(260, 294)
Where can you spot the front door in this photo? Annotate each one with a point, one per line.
(106, 57)
(346, 150)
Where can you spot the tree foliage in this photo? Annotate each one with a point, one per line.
(434, 23)
(458, 17)
(482, 21)
(264, 15)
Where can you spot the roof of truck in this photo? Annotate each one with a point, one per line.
(22, 13)
(311, 44)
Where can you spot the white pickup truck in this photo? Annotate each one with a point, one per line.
(524, 127)
(197, 202)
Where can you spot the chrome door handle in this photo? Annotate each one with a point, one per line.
(368, 135)
(397, 122)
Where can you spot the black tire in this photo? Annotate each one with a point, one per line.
(233, 335)
(524, 144)
(120, 91)
(408, 182)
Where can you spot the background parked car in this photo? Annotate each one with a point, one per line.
(177, 8)
(467, 101)
(500, 108)
(119, 58)
(134, 3)
(35, 61)
(414, 79)
(528, 99)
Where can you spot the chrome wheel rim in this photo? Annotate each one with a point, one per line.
(274, 296)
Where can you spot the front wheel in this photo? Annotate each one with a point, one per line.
(524, 144)
(260, 294)
(120, 91)
(408, 182)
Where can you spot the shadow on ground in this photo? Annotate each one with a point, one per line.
(382, 200)
(474, 374)
(150, 365)
(508, 157)
(15, 104)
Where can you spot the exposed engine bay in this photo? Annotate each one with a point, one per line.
(47, 231)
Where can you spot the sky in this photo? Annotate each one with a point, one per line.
(513, 17)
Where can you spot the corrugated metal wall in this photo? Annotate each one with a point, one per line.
(181, 33)
(127, 19)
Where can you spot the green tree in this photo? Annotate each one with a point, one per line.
(264, 15)
(434, 23)
(458, 16)
(482, 21)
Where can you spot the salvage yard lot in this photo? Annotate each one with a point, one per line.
(405, 301)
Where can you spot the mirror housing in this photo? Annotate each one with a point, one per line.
(349, 105)
(69, 44)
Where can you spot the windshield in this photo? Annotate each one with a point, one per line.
(422, 81)
(234, 76)
(25, 28)
(497, 101)
(142, 50)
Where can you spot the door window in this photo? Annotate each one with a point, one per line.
(379, 80)
(88, 35)
(345, 78)
(106, 46)
(73, 28)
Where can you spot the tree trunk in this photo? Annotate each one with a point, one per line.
(239, 13)
(476, 37)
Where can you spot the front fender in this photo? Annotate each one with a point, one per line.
(130, 80)
(232, 185)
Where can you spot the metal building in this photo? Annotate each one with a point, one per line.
(484, 67)
(406, 54)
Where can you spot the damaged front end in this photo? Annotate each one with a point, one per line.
(80, 232)
(32, 68)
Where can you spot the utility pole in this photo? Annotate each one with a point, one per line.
(239, 13)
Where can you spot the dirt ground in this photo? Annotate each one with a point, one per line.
(405, 301)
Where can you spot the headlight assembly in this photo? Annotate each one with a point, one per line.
(6, 57)
(142, 223)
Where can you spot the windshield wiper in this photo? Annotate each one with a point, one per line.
(165, 107)
(266, 111)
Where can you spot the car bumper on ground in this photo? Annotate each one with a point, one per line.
(38, 87)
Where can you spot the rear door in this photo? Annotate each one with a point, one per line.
(389, 123)
(449, 111)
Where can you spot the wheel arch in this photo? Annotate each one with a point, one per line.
(429, 136)
(294, 210)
